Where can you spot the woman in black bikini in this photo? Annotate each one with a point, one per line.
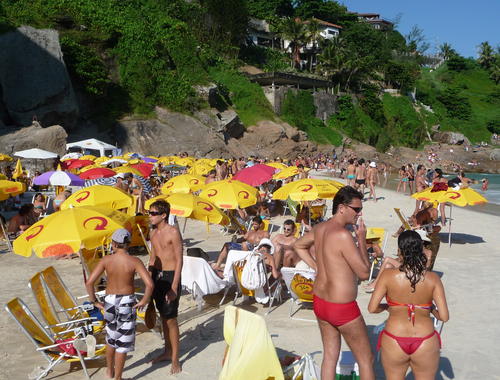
(409, 338)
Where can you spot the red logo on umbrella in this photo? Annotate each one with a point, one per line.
(212, 194)
(39, 227)
(245, 194)
(207, 208)
(456, 196)
(101, 226)
(306, 187)
(169, 185)
(194, 181)
(83, 195)
(11, 189)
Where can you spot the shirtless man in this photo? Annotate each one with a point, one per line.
(165, 265)
(119, 306)
(247, 243)
(372, 178)
(283, 246)
(339, 264)
(360, 177)
(21, 221)
(121, 183)
(420, 185)
(351, 173)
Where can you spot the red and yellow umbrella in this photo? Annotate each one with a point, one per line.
(461, 197)
(99, 196)
(308, 189)
(10, 189)
(230, 194)
(184, 183)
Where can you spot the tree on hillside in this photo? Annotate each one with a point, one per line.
(267, 9)
(446, 51)
(416, 40)
(294, 31)
(324, 10)
(486, 57)
(313, 36)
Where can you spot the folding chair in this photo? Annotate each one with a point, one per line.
(299, 283)
(250, 352)
(382, 236)
(9, 238)
(317, 213)
(45, 343)
(258, 294)
(403, 220)
(234, 225)
(292, 206)
(199, 279)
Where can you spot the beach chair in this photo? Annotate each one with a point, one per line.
(250, 352)
(299, 230)
(299, 283)
(258, 294)
(292, 206)
(234, 225)
(54, 351)
(266, 225)
(9, 238)
(403, 220)
(199, 279)
(317, 213)
(380, 233)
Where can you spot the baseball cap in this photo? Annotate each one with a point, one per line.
(121, 235)
(423, 235)
(120, 175)
(268, 242)
(373, 164)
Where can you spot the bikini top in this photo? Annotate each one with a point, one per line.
(411, 308)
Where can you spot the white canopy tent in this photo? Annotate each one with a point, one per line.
(90, 145)
(35, 153)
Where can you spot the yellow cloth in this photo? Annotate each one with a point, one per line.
(251, 353)
(18, 171)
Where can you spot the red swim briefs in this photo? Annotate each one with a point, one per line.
(337, 314)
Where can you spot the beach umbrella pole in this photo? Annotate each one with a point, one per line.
(144, 239)
(449, 227)
(184, 227)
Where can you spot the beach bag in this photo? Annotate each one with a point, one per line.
(305, 369)
(197, 252)
(253, 275)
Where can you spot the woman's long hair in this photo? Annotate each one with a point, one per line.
(414, 261)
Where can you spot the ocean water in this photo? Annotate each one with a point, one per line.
(493, 192)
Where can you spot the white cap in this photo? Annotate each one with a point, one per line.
(268, 242)
(423, 235)
(120, 175)
(373, 164)
(121, 235)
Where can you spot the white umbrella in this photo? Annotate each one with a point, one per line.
(74, 155)
(113, 161)
(35, 153)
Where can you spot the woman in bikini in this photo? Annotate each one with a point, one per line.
(409, 338)
(403, 179)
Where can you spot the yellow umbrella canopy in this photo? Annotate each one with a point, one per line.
(18, 171)
(308, 189)
(127, 169)
(230, 194)
(287, 172)
(5, 157)
(99, 160)
(184, 183)
(10, 189)
(99, 196)
(184, 161)
(65, 232)
(193, 207)
(277, 165)
(462, 197)
(88, 157)
(200, 168)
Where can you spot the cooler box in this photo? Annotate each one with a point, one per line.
(347, 368)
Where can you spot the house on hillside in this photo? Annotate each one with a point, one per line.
(375, 20)
(328, 30)
(259, 33)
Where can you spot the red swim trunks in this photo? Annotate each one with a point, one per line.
(337, 314)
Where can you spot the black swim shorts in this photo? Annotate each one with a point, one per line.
(163, 283)
(360, 181)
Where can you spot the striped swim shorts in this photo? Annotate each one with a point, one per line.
(120, 317)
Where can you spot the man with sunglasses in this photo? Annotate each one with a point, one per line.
(339, 263)
(283, 245)
(165, 265)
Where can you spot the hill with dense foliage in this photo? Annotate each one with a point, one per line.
(127, 56)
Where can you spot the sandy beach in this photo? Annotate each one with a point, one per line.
(469, 272)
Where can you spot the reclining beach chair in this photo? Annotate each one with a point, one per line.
(258, 294)
(403, 220)
(292, 206)
(299, 283)
(54, 324)
(199, 279)
(250, 352)
(234, 225)
(380, 233)
(9, 238)
(53, 351)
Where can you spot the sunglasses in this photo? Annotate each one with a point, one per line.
(154, 213)
(287, 229)
(357, 210)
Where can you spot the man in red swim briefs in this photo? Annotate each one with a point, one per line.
(339, 262)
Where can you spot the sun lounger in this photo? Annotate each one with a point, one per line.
(45, 343)
(234, 225)
(382, 236)
(299, 283)
(403, 220)
(250, 352)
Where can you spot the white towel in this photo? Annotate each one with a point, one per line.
(197, 270)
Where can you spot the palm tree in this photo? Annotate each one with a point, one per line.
(293, 31)
(313, 35)
(486, 57)
(336, 62)
(446, 51)
(495, 71)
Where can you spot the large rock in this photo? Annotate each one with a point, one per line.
(34, 81)
(495, 155)
(51, 138)
(451, 138)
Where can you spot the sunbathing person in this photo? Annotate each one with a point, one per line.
(266, 249)
(283, 244)
(245, 243)
(60, 198)
(409, 338)
(39, 204)
(21, 221)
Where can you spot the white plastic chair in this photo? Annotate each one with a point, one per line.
(299, 283)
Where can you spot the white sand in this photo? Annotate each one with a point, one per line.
(469, 270)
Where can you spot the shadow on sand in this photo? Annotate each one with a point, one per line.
(460, 238)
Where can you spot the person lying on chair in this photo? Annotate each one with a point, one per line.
(283, 244)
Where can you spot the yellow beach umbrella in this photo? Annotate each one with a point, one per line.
(308, 189)
(277, 165)
(134, 161)
(85, 168)
(290, 171)
(127, 169)
(184, 183)
(5, 157)
(193, 207)
(88, 157)
(166, 160)
(65, 232)
(18, 171)
(11, 189)
(184, 161)
(99, 196)
(462, 197)
(230, 194)
(201, 168)
(2, 176)
(99, 160)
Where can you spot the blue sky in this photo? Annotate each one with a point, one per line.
(463, 24)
